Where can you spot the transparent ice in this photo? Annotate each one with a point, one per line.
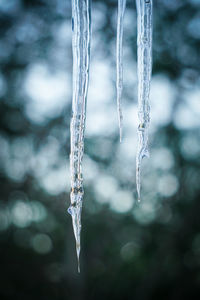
(144, 53)
(119, 60)
(81, 33)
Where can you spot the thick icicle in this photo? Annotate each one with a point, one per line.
(144, 53)
(81, 32)
(119, 62)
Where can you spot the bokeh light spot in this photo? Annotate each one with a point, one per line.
(21, 214)
(168, 185)
(41, 243)
(122, 201)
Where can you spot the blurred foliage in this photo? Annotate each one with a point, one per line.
(146, 251)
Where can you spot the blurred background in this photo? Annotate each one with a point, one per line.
(135, 251)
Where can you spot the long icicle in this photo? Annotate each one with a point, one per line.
(144, 53)
(81, 32)
(119, 61)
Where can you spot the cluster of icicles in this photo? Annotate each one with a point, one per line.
(81, 36)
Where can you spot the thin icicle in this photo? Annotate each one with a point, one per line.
(144, 45)
(119, 61)
(81, 32)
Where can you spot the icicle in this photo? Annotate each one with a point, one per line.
(119, 63)
(81, 32)
(144, 45)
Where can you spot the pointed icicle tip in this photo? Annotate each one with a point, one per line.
(138, 195)
(78, 256)
(79, 270)
(120, 135)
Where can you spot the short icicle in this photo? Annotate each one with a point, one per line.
(81, 34)
(144, 54)
(119, 60)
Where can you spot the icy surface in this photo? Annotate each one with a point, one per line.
(144, 52)
(119, 60)
(81, 32)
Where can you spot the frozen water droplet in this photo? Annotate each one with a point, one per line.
(69, 210)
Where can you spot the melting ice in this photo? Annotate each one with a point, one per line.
(144, 53)
(119, 60)
(81, 32)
